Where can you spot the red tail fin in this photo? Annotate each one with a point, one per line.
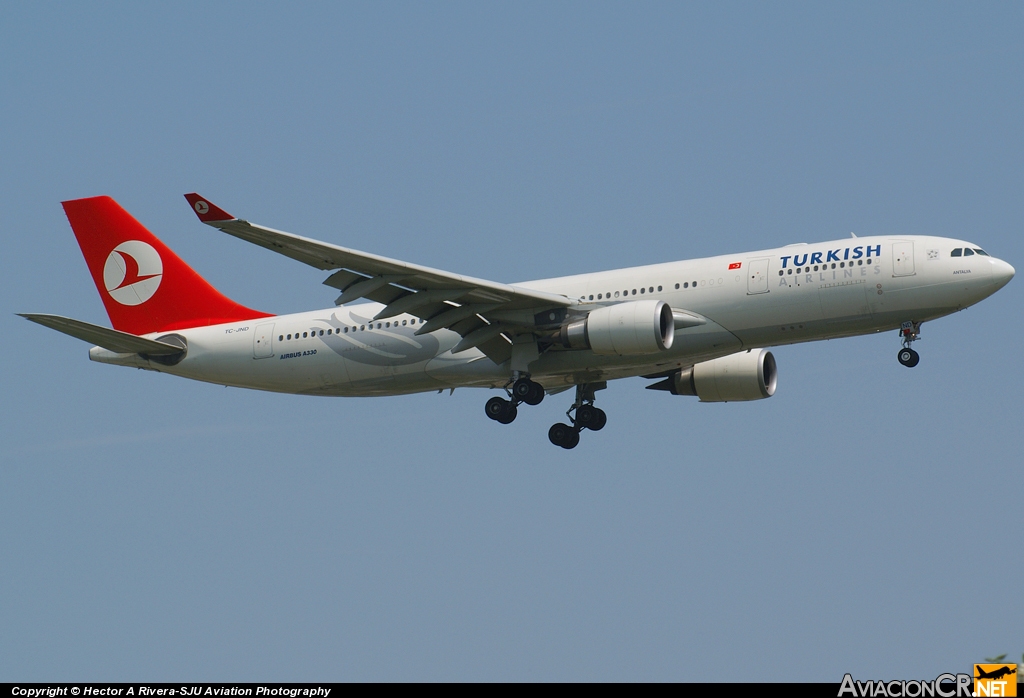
(144, 286)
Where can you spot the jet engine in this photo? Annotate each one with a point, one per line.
(747, 375)
(623, 329)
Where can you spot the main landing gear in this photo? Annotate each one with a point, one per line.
(523, 390)
(582, 415)
(587, 417)
(909, 332)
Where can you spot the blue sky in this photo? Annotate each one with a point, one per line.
(861, 520)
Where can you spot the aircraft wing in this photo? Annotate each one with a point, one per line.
(480, 311)
(114, 340)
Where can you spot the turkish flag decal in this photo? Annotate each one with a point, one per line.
(736, 265)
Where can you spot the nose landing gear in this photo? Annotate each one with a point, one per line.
(587, 417)
(909, 332)
(908, 357)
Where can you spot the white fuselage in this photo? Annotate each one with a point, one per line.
(797, 293)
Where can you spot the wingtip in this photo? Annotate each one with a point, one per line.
(206, 211)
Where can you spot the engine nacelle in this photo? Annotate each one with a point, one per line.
(747, 375)
(623, 329)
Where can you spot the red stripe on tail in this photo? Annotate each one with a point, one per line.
(145, 287)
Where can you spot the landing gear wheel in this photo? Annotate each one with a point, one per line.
(908, 357)
(510, 414)
(495, 407)
(587, 417)
(536, 394)
(522, 388)
(563, 435)
(590, 417)
(501, 410)
(525, 390)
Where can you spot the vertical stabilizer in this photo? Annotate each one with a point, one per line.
(145, 287)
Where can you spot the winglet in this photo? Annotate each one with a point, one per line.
(207, 212)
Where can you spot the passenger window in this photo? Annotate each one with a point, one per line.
(346, 330)
(860, 262)
(677, 286)
(616, 294)
(659, 289)
(957, 252)
(599, 296)
(321, 333)
(641, 290)
(280, 337)
(968, 252)
(833, 265)
(305, 334)
(790, 272)
(869, 260)
(981, 252)
(651, 289)
(362, 327)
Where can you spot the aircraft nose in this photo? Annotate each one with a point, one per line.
(1002, 272)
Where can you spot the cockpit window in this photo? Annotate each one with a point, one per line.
(968, 252)
(982, 252)
(957, 252)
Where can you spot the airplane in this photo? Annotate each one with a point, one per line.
(995, 673)
(698, 327)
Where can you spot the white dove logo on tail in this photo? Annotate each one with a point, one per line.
(132, 272)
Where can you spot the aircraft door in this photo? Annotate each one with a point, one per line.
(903, 259)
(757, 276)
(263, 341)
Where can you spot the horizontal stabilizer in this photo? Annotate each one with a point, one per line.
(113, 340)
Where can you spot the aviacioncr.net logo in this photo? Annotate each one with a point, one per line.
(132, 272)
(944, 686)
